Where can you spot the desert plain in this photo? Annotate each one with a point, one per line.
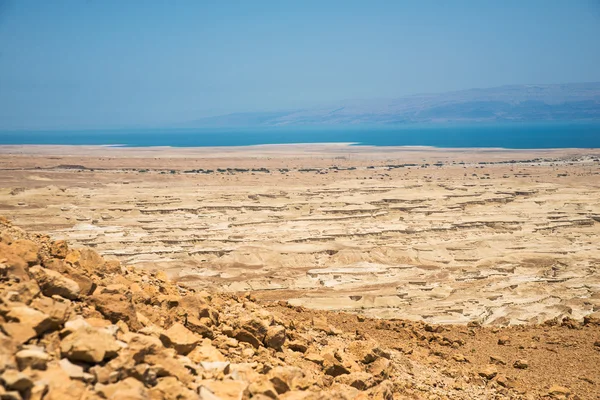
(444, 236)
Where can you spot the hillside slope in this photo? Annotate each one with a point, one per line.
(76, 326)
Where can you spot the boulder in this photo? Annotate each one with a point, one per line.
(116, 307)
(262, 387)
(195, 325)
(89, 345)
(284, 378)
(488, 372)
(169, 388)
(59, 248)
(205, 352)
(558, 392)
(75, 371)
(53, 283)
(358, 380)
(34, 358)
(26, 250)
(275, 337)
(180, 338)
(15, 380)
(222, 390)
(129, 388)
(25, 323)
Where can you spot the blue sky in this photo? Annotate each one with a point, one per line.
(111, 63)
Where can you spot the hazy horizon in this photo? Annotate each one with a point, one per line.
(71, 64)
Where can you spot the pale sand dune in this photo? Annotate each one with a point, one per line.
(335, 227)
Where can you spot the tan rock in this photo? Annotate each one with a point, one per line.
(320, 323)
(25, 323)
(275, 337)
(53, 283)
(205, 352)
(223, 390)
(25, 249)
(263, 387)
(180, 338)
(358, 380)
(15, 380)
(559, 392)
(85, 283)
(297, 345)
(89, 345)
(58, 309)
(129, 388)
(59, 248)
(488, 372)
(283, 378)
(366, 351)
(460, 358)
(380, 368)
(117, 307)
(169, 388)
(198, 327)
(75, 371)
(505, 381)
(252, 330)
(521, 364)
(314, 357)
(32, 358)
(60, 386)
(333, 367)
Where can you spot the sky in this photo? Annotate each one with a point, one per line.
(136, 63)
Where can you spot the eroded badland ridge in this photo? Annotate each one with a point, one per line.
(226, 274)
(75, 326)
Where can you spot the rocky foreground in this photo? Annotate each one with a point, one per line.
(75, 326)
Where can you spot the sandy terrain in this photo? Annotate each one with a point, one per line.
(444, 236)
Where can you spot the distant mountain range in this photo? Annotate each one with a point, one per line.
(563, 102)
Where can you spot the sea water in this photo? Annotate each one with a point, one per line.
(502, 135)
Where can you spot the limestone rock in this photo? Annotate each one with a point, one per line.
(180, 338)
(488, 372)
(263, 387)
(358, 380)
(25, 323)
(223, 390)
(15, 380)
(129, 388)
(59, 248)
(32, 358)
(521, 364)
(54, 283)
(117, 307)
(169, 388)
(559, 392)
(283, 378)
(275, 337)
(332, 366)
(205, 352)
(89, 345)
(195, 325)
(26, 250)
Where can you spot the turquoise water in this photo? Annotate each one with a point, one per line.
(507, 135)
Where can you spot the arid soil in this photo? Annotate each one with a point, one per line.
(444, 236)
(76, 326)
